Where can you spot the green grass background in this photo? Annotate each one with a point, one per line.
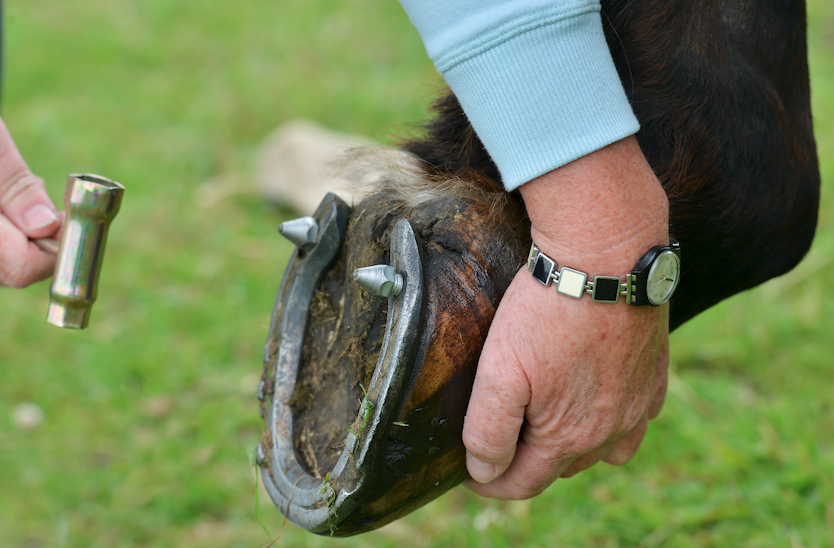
(150, 417)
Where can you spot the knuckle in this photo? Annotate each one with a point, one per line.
(17, 272)
(481, 449)
(619, 458)
(589, 439)
(525, 491)
(12, 277)
(635, 416)
(19, 185)
(610, 426)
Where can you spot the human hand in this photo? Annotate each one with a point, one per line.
(26, 212)
(578, 379)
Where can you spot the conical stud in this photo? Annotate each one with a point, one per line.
(380, 280)
(303, 232)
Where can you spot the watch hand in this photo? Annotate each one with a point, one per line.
(663, 279)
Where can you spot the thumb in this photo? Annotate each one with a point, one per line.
(495, 414)
(23, 198)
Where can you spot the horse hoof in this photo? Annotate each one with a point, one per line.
(367, 377)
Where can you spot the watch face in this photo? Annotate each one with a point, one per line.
(663, 278)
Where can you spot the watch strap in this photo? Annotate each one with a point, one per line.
(574, 283)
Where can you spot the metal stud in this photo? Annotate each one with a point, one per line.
(303, 232)
(380, 280)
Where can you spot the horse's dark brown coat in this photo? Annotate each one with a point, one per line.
(722, 94)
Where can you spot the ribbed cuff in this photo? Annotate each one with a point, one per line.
(541, 92)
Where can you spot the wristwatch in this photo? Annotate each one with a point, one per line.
(652, 281)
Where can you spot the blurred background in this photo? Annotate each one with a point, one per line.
(139, 431)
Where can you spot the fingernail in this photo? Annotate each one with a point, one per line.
(38, 216)
(482, 472)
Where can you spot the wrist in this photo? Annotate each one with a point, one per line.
(600, 213)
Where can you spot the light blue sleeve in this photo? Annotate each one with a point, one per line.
(535, 78)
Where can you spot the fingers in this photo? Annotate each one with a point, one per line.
(623, 450)
(583, 462)
(495, 415)
(661, 382)
(22, 263)
(626, 447)
(531, 472)
(618, 453)
(23, 198)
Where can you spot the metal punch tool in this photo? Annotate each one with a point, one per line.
(91, 203)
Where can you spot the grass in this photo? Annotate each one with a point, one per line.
(150, 415)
